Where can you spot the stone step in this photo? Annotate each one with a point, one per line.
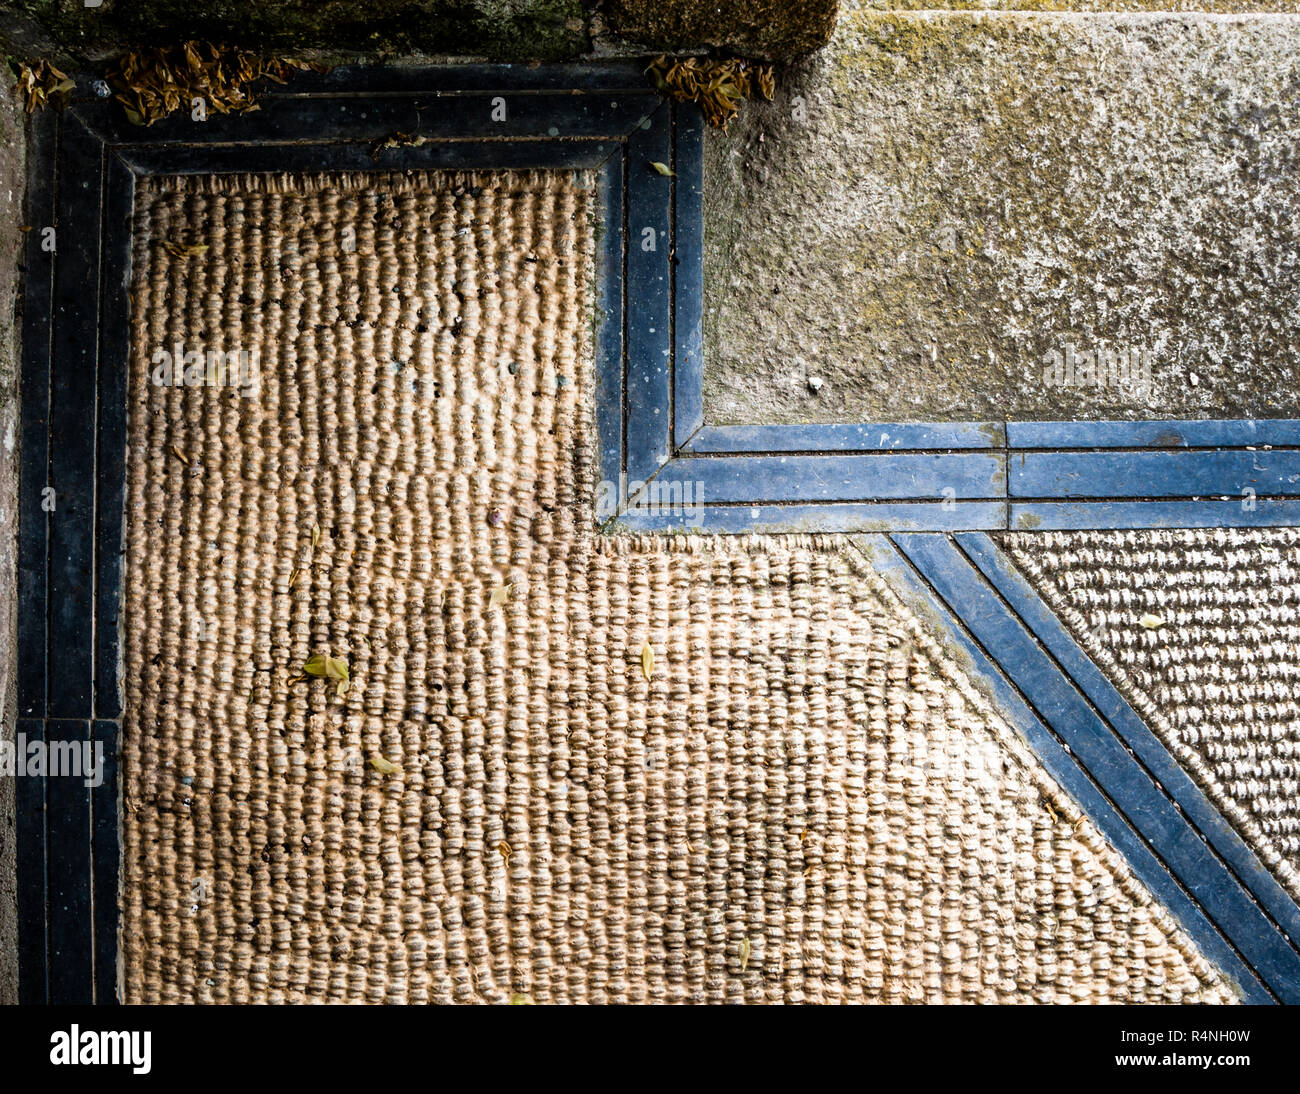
(940, 210)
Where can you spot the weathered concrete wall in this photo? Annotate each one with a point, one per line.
(937, 203)
(11, 206)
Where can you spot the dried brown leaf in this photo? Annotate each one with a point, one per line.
(717, 86)
(152, 83)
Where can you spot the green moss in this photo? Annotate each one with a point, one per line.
(496, 29)
(771, 29)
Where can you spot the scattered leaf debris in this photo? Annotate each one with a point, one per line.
(718, 86)
(42, 84)
(397, 140)
(383, 766)
(647, 659)
(152, 83)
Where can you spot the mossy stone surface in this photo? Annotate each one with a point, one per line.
(1224, 7)
(938, 203)
(495, 29)
(773, 29)
(12, 238)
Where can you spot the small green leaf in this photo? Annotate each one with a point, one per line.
(663, 169)
(383, 766)
(316, 666)
(332, 668)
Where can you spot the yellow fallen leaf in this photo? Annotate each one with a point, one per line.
(180, 456)
(503, 849)
(647, 659)
(744, 954)
(663, 169)
(332, 668)
(1151, 621)
(315, 536)
(184, 250)
(500, 594)
(520, 1000)
(315, 666)
(383, 766)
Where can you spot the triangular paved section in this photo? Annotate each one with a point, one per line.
(1200, 630)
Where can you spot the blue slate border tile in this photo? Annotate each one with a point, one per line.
(866, 517)
(1230, 433)
(648, 285)
(1245, 512)
(1155, 474)
(884, 437)
(688, 273)
(871, 476)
